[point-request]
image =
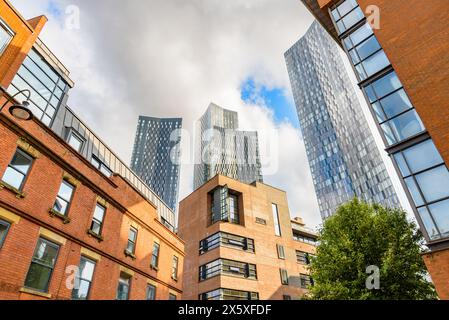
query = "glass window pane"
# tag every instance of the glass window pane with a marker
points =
(96, 227)
(402, 164)
(21, 162)
(434, 183)
(151, 292)
(65, 191)
(75, 142)
(132, 235)
(87, 268)
(440, 213)
(406, 125)
(352, 18)
(360, 34)
(411, 185)
(45, 253)
(396, 103)
(378, 112)
(428, 223)
(375, 63)
(4, 227)
(13, 178)
(386, 84)
(99, 212)
(422, 156)
(5, 37)
(346, 6)
(388, 134)
(370, 93)
(81, 291)
(38, 277)
(368, 47)
(61, 206)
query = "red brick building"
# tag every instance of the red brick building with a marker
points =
(241, 243)
(398, 49)
(67, 203)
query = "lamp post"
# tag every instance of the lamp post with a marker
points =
(20, 111)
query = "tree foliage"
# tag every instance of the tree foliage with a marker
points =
(359, 235)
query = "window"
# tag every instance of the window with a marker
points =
(284, 276)
(226, 239)
(101, 166)
(18, 169)
(123, 287)
(305, 281)
(225, 206)
(261, 221)
(427, 179)
(4, 228)
(174, 273)
(97, 220)
(229, 294)
(42, 265)
(172, 296)
(303, 238)
(286, 297)
(227, 267)
(346, 15)
(75, 141)
(277, 226)
(302, 257)
(155, 256)
(83, 279)
(151, 292)
(46, 86)
(64, 198)
(132, 238)
(6, 35)
(280, 250)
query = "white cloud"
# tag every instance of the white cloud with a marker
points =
(171, 58)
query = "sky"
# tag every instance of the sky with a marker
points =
(171, 58)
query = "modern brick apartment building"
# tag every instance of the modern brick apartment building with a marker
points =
(242, 244)
(66, 201)
(401, 61)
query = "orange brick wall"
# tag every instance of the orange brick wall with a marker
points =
(194, 215)
(438, 264)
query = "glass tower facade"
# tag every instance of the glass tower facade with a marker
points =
(155, 156)
(222, 149)
(425, 175)
(343, 156)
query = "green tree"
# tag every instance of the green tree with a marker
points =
(361, 235)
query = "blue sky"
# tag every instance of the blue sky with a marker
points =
(275, 99)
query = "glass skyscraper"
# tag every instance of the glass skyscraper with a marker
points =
(343, 157)
(223, 149)
(155, 157)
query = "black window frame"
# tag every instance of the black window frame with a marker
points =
(224, 239)
(133, 242)
(95, 220)
(69, 202)
(154, 263)
(305, 281)
(52, 268)
(227, 267)
(154, 288)
(229, 294)
(284, 276)
(85, 280)
(101, 166)
(25, 175)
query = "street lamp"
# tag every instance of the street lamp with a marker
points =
(20, 111)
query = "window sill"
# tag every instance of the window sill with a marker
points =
(175, 279)
(54, 213)
(130, 254)
(154, 268)
(35, 292)
(19, 194)
(96, 236)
